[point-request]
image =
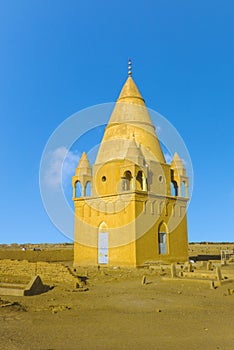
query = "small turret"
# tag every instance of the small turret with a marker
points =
(178, 165)
(83, 175)
(178, 176)
(83, 167)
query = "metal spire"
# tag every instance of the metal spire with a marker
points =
(129, 67)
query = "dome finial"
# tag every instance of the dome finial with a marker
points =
(129, 67)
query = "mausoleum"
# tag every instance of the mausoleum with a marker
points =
(135, 209)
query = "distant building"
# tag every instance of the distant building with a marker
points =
(132, 208)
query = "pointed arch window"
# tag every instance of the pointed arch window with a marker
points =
(162, 239)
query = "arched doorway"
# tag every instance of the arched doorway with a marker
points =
(103, 244)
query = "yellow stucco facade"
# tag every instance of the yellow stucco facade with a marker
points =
(132, 209)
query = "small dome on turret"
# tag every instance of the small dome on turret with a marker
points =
(178, 165)
(83, 167)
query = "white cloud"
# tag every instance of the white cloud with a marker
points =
(61, 166)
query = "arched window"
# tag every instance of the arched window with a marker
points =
(88, 189)
(139, 181)
(162, 238)
(126, 181)
(77, 189)
(174, 188)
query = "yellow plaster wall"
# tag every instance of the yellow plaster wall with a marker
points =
(131, 223)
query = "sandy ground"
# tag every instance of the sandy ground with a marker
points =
(117, 312)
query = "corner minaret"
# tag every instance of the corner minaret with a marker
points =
(136, 211)
(179, 176)
(83, 176)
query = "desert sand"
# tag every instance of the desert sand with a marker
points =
(112, 309)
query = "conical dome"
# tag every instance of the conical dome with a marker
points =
(130, 108)
(130, 93)
(130, 116)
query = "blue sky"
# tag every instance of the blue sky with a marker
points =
(57, 58)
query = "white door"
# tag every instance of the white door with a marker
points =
(162, 243)
(103, 248)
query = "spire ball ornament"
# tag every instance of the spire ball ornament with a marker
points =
(129, 67)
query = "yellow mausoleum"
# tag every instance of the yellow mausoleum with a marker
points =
(135, 211)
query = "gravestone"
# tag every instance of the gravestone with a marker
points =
(173, 270)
